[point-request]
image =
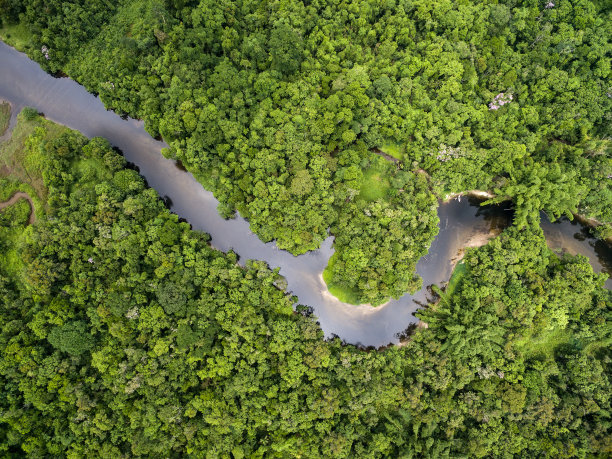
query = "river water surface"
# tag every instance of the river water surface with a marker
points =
(24, 83)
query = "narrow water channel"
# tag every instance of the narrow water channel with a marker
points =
(24, 83)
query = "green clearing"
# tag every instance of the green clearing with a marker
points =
(17, 36)
(5, 116)
(22, 163)
(162, 346)
(383, 190)
(344, 294)
(13, 220)
(543, 344)
(375, 184)
(455, 280)
(393, 149)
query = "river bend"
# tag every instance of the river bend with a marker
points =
(24, 83)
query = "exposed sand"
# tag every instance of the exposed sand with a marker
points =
(476, 240)
(364, 308)
(475, 193)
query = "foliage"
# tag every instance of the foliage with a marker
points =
(21, 161)
(515, 294)
(456, 277)
(378, 242)
(72, 337)
(16, 215)
(342, 291)
(123, 333)
(29, 113)
(5, 116)
(16, 35)
(275, 107)
(9, 10)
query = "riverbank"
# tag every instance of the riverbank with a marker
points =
(22, 164)
(5, 117)
(477, 240)
(593, 223)
(480, 194)
(16, 35)
(66, 102)
(328, 292)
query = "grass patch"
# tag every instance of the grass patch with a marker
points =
(456, 277)
(17, 36)
(346, 295)
(9, 186)
(23, 164)
(374, 186)
(23, 159)
(393, 149)
(375, 183)
(545, 343)
(5, 116)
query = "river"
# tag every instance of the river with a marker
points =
(24, 83)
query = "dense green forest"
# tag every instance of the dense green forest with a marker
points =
(277, 106)
(123, 333)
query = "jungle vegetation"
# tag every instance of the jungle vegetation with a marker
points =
(122, 333)
(277, 106)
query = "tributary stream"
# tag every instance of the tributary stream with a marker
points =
(462, 221)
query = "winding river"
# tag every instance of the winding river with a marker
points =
(462, 221)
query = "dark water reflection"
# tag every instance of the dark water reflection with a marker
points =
(23, 83)
(575, 238)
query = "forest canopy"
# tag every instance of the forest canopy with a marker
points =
(122, 333)
(278, 106)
